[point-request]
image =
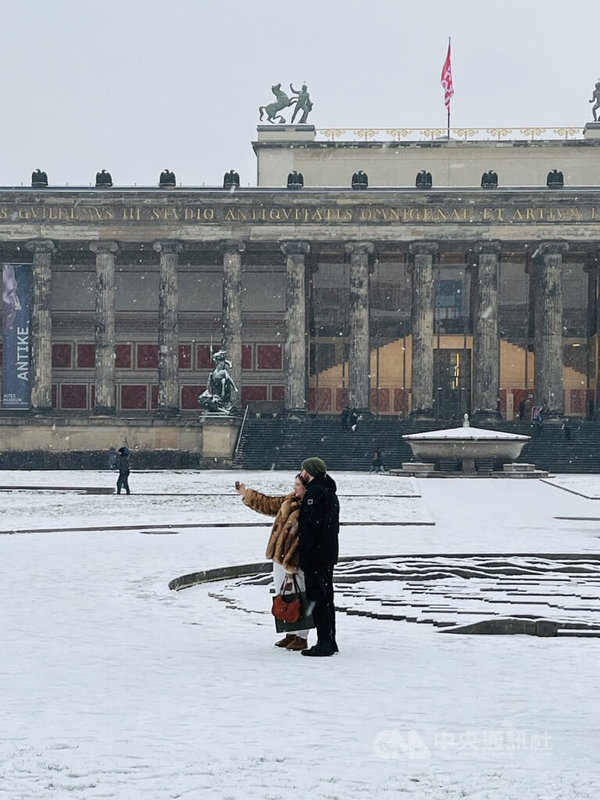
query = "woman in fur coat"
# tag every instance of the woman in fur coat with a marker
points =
(282, 547)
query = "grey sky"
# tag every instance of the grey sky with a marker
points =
(135, 86)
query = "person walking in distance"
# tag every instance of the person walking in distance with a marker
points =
(318, 528)
(377, 461)
(124, 465)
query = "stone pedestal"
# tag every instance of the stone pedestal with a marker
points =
(41, 326)
(591, 130)
(360, 352)
(105, 326)
(422, 255)
(168, 336)
(295, 323)
(286, 133)
(219, 436)
(422, 468)
(516, 468)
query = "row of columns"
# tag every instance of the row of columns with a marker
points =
(545, 270)
(104, 385)
(545, 273)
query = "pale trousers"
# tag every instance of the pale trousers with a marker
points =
(278, 576)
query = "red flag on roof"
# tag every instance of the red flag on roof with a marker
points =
(446, 79)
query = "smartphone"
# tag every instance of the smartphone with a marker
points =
(237, 484)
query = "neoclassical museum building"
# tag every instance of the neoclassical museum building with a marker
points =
(398, 272)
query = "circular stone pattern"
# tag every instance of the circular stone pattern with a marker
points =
(445, 591)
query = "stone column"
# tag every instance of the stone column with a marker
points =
(422, 255)
(591, 267)
(232, 309)
(105, 326)
(548, 315)
(486, 341)
(168, 334)
(295, 325)
(41, 326)
(360, 350)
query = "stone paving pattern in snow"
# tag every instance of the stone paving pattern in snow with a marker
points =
(445, 591)
(115, 687)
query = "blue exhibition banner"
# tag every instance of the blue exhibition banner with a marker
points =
(16, 327)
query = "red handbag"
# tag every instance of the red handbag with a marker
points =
(287, 607)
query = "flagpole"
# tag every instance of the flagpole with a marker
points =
(450, 101)
(447, 85)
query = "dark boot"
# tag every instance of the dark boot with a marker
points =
(320, 649)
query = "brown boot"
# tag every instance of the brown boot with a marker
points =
(297, 644)
(286, 640)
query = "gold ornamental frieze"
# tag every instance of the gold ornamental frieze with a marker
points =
(213, 213)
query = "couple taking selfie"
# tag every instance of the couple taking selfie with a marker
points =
(303, 545)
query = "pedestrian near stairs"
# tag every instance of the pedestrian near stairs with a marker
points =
(377, 461)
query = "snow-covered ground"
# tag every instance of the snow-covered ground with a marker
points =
(115, 687)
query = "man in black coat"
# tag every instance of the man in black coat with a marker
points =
(124, 465)
(318, 528)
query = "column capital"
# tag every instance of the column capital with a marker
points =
(365, 248)
(41, 246)
(295, 247)
(493, 248)
(423, 248)
(231, 246)
(104, 246)
(167, 246)
(549, 249)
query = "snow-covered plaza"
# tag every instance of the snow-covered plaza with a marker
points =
(116, 687)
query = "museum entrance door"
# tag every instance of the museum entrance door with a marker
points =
(452, 383)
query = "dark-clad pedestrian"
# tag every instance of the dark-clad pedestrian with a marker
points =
(377, 461)
(318, 528)
(345, 417)
(124, 465)
(112, 458)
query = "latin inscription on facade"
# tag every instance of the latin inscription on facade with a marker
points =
(201, 214)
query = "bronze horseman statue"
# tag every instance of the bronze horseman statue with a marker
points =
(300, 100)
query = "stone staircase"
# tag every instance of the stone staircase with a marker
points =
(283, 443)
(548, 449)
